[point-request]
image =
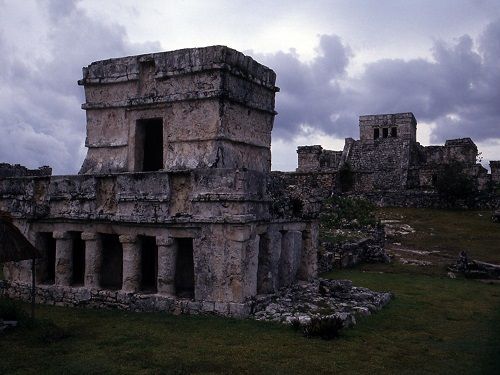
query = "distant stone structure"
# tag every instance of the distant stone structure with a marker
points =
(171, 209)
(16, 170)
(387, 158)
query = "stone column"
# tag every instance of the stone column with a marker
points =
(131, 264)
(290, 257)
(93, 259)
(167, 258)
(64, 258)
(308, 268)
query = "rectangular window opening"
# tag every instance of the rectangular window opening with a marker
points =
(376, 133)
(149, 263)
(394, 132)
(78, 258)
(149, 145)
(184, 268)
(112, 262)
(385, 132)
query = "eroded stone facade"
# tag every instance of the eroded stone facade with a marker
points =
(171, 209)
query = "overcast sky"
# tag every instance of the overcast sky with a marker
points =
(335, 60)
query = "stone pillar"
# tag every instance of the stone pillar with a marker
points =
(308, 267)
(290, 257)
(131, 264)
(167, 258)
(64, 258)
(93, 259)
(275, 247)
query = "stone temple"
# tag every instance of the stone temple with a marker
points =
(171, 209)
(388, 162)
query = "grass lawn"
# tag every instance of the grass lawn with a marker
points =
(449, 231)
(435, 325)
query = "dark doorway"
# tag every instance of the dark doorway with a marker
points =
(376, 133)
(184, 268)
(149, 263)
(149, 145)
(112, 262)
(78, 258)
(47, 269)
(385, 132)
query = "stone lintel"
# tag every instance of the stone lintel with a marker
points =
(89, 236)
(164, 241)
(126, 238)
(59, 235)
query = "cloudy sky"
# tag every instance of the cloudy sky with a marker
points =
(335, 60)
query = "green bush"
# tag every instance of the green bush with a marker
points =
(346, 212)
(454, 185)
(326, 328)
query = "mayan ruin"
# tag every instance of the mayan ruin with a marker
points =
(249, 188)
(170, 210)
(175, 207)
(390, 166)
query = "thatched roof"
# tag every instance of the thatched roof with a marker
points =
(13, 245)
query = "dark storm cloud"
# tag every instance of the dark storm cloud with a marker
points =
(459, 89)
(310, 92)
(40, 117)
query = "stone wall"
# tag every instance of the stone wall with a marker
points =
(316, 159)
(461, 150)
(108, 299)
(16, 170)
(369, 249)
(299, 195)
(495, 171)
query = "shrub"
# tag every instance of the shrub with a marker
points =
(345, 212)
(453, 184)
(326, 328)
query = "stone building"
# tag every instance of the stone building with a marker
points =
(171, 209)
(387, 157)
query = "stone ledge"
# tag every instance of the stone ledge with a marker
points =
(198, 95)
(112, 299)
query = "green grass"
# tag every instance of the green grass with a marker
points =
(435, 325)
(450, 231)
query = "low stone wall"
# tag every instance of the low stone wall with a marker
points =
(422, 199)
(369, 249)
(109, 299)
